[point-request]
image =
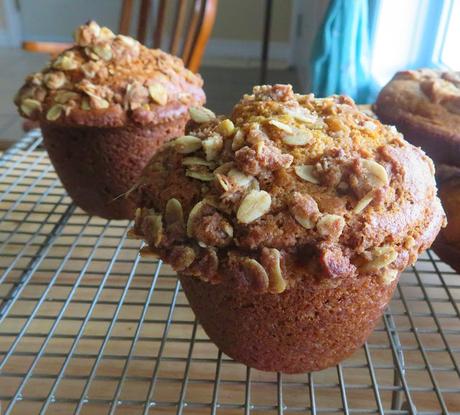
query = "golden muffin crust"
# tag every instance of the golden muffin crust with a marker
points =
(424, 104)
(108, 80)
(289, 187)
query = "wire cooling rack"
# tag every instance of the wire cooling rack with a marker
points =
(89, 327)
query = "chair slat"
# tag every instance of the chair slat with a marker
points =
(191, 32)
(178, 26)
(144, 16)
(159, 24)
(125, 17)
(202, 36)
(52, 48)
(191, 28)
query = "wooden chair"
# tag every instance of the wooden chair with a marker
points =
(193, 21)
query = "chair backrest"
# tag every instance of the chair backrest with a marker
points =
(192, 23)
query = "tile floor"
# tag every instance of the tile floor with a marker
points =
(223, 85)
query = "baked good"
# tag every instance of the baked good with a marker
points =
(447, 244)
(288, 223)
(105, 106)
(425, 105)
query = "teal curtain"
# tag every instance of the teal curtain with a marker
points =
(341, 58)
(341, 53)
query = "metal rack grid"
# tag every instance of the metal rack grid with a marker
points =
(87, 326)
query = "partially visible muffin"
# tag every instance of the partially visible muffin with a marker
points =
(288, 223)
(424, 105)
(105, 106)
(447, 244)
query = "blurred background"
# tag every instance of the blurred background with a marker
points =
(323, 46)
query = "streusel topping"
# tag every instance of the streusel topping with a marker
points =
(107, 80)
(287, 181)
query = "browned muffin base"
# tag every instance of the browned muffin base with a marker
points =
(97, 165)
(306, 328)
(447, 244)
(449, 253)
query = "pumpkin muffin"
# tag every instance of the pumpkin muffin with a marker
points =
(105, 106)
(447, 244)
(425, 105)
(289, 223)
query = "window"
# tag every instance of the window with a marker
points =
(396, 37)
(413, 34)
(447, 48)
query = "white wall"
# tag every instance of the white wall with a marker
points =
(9, 24)
(3, 27)
(56, 19)
(239, 29)
(310, 14)
(2, 16)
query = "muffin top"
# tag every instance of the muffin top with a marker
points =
(425, 105)
(290, 188)
(109, 81)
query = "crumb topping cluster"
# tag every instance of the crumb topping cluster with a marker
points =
(109, 74)
(288, 182)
